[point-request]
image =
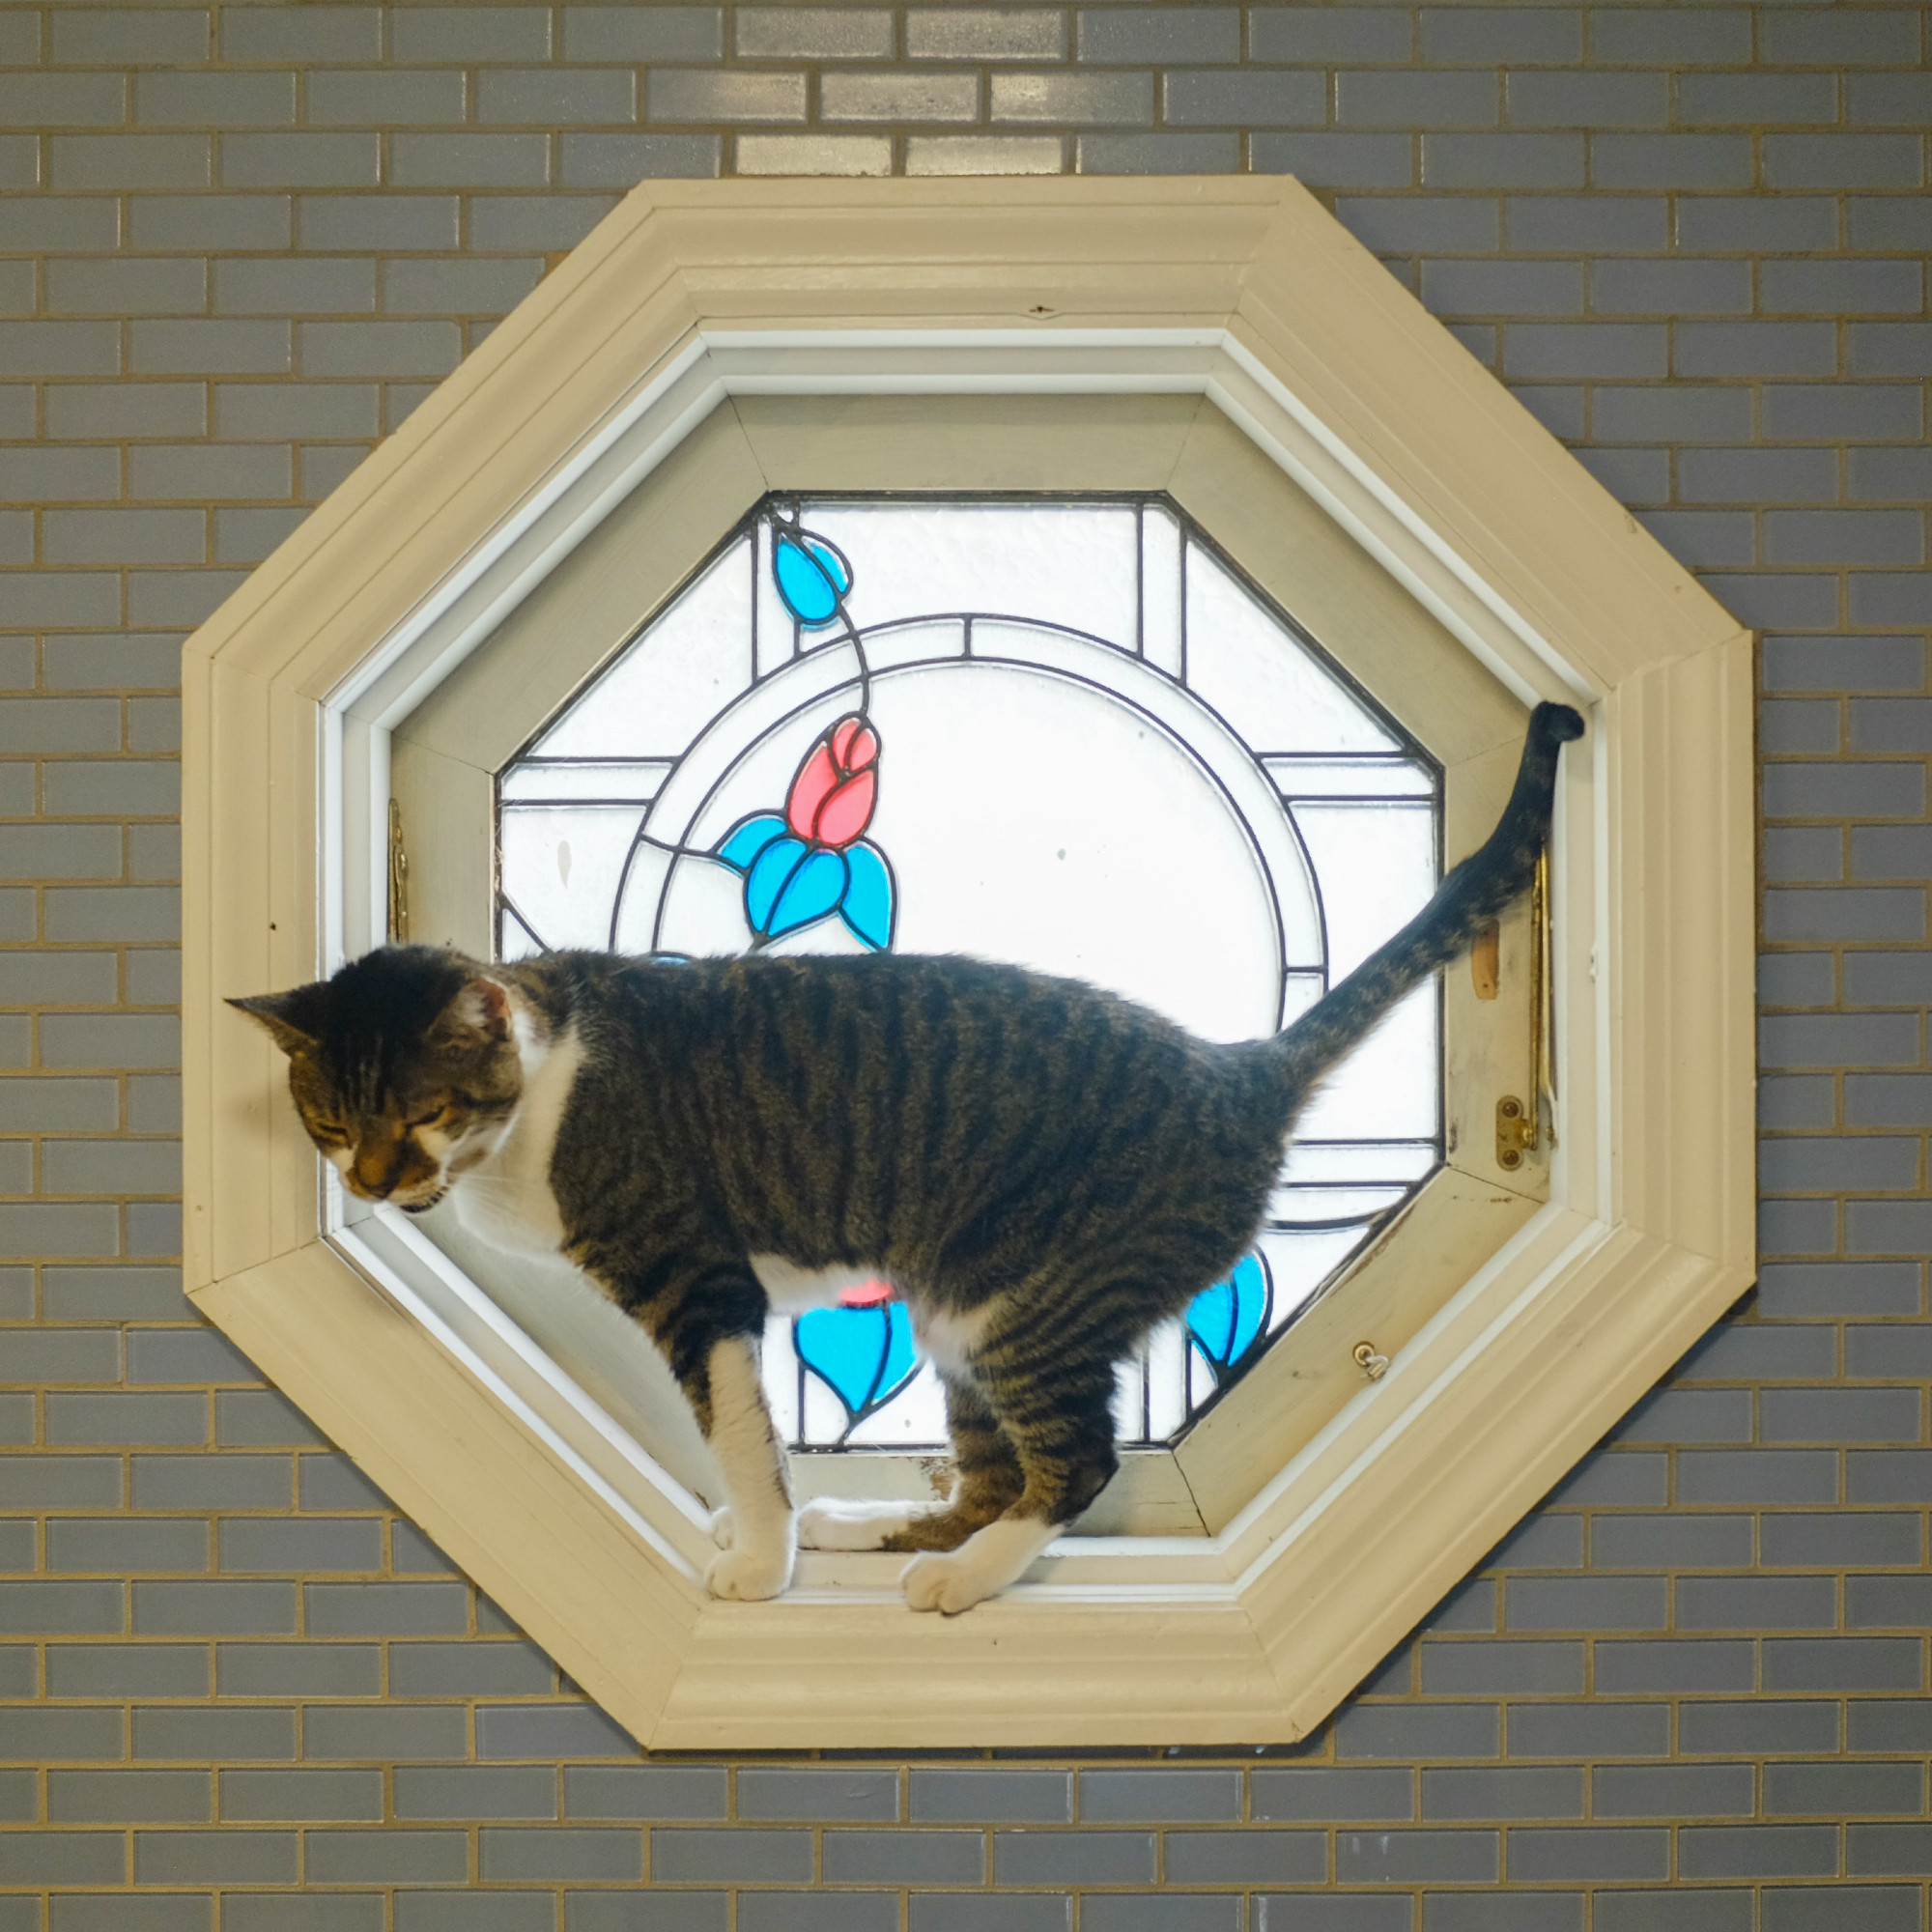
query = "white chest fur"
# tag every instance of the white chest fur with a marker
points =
(506, 1199)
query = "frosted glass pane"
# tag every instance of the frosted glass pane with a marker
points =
(1273, 690)
(549, 783)
(518, 940)
(1301, 1263)
(914, 1419)
(1331, 1162)
(561, 867)
(1350, 778)
(669, 684)
(778, 632)
(1161, 633)
(1304, 1205)
(1389, 1088)
(1376, 865)
(1052, 563)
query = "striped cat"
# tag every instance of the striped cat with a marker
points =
(1043, 1171)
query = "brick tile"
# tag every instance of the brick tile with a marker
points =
(1250, 99)
(1169, 1912)
(1156, 153)
(1321, 37)
(1757, 1851)
(439, 35)
(474, 1791)
(1755, 1603)
(231, 1736)
(1588, 99)
(1503, 1911)
(385, 1857)
(1590, 1852)
(1336, 160)
(905, 1857)
(985, 33)
(1674, 1664)
(1588, 1730)
(1670, 160)
(214, 1857)
(1153, 1797)
(995, 1796)
(1073, 1858)
(1157, 36)
(1564, 223)
(1485, 1792)
(302, 1796)
(1672, 1791)
(817, 1911)
(1417, 1857)
(298, 1669)
(1488, 35)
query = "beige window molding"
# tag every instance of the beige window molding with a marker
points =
(1222, 340)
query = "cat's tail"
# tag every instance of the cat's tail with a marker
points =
(1472, 894)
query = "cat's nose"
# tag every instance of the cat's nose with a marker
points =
(377, 1167)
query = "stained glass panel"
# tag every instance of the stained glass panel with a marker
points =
(1064, 733)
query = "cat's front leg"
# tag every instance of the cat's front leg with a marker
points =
(706, 1312)
(757, 1519)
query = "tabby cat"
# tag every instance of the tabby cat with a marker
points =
(1042, 1170)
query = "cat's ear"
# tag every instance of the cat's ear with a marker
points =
(479, 1012)
(293, 1018)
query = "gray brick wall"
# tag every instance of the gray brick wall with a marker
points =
(238, 244)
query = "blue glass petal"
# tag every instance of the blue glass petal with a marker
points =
(867, 906)
(749, 838)
(810, 574)
(864, 1355)
(844, 1346)
(811, 892)
(766, 879)
(1224, 1320)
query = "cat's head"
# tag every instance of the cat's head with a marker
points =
(403, 1067)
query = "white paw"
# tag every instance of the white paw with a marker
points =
(949, 1584)
(837, 1525)
(987, 1562)
(724, 1529)
(746, 1576)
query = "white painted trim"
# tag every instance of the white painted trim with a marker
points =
(1240, 290)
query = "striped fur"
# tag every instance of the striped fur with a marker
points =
(1032, 1161)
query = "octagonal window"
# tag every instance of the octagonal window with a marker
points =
(1061, 731)
(720, 341)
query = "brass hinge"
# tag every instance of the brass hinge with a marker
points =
(399, 878)
(1515, 1132)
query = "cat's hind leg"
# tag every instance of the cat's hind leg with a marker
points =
(987, 1479)
(1062, 1426)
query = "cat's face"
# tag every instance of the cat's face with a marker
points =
(404, 1068)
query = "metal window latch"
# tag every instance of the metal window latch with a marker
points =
(1374, 1365)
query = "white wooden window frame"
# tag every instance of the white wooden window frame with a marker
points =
(1244, 293)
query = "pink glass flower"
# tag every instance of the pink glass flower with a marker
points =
(832, 798)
